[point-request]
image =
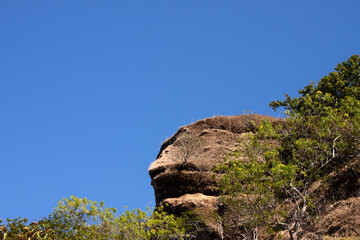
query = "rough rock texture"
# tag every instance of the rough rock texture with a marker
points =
(338, 203)
(206, 207)
(342, 219)
(182, 177)
(183, 180)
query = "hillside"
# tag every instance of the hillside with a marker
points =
(191, 185)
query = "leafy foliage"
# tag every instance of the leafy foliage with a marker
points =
(321, 134)
(17, 229)
(80, 218)
(340, 89)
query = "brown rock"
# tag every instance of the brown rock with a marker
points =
(183, 181)
(206, 207)
(173, 176)
(182, 174)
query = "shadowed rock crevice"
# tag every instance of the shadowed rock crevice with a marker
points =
(183, 182)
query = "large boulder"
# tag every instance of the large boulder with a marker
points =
(182, 174)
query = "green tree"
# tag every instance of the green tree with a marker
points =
(77, 218)
(256, 182)
(320, 134)
(80, 218)
(339, 88)
(18, 229)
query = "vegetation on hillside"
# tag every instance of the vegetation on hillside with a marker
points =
(321, 134)
(266, 183)
(80, 218)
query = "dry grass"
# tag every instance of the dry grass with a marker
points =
(341, 238)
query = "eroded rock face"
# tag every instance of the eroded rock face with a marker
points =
(182, 174)
(183, 180)
(174, 176)
(206, 207)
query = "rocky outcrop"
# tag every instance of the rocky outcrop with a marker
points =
(183, 180)
(205, 207)
(182, 174)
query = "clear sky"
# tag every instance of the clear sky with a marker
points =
(90, 89)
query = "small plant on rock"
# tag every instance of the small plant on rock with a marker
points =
(187, 145)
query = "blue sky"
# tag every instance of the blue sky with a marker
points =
(90, 89)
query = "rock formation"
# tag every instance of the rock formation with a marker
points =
(183, 180)
(182, 175)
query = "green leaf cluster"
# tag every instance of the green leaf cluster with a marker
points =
(80, 218)
(339, 89)
(269, 182)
